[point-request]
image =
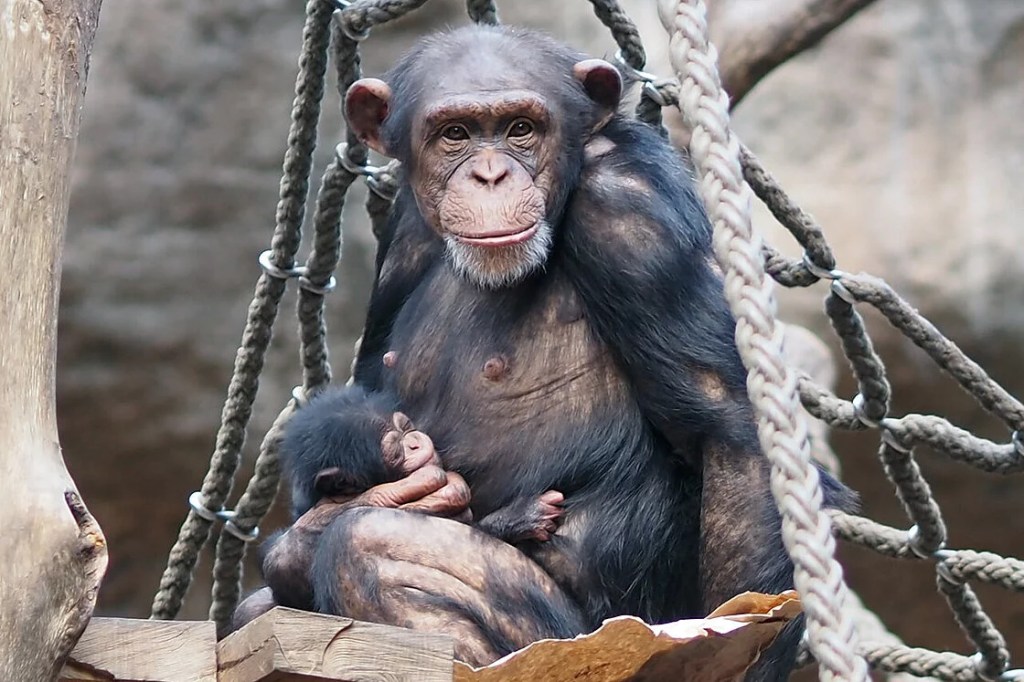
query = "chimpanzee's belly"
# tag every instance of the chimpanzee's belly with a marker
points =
(516, 391)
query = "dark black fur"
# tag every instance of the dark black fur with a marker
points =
(629, 461)
(340, 428)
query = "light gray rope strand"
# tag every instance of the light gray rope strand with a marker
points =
(916, 496)
(974, 380)
(800, 224)
(772, 387)
(262, 312)
(993, 657)
(360, 17)
(864, 361)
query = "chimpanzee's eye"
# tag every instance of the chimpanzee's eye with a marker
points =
(520, 128)
(455, 132)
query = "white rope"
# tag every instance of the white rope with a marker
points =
(806, 530)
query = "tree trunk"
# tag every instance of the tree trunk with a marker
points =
(755, 36)
(54, 553)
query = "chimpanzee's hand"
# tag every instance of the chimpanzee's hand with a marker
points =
(427, 490)
(405, 449)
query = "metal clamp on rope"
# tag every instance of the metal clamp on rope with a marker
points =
(835, 275)
(889, 427)
(645, 77)
(198, 505)
(914, 543)
(373, 174)
(299, 272)
(858, 412)
(979, 667)
(346, 25)
(1018, 442)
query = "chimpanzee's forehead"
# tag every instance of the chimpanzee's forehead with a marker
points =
(490, 59)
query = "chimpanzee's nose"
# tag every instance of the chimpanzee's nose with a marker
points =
(490, 168)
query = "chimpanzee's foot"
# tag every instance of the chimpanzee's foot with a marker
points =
(531, 518)
(405, 449)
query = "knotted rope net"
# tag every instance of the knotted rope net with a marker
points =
(728, 175)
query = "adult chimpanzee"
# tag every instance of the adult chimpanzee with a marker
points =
(546, 310)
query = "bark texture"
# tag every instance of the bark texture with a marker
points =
(55, 552)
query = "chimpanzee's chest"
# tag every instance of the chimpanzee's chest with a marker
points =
(502, 376)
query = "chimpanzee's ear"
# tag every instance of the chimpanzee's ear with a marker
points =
(327, 481)
(366, 107)
(603, 83)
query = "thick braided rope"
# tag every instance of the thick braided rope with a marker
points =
(928, 536)
(772, 387)
(254, 503)
(262, 312)
(319, 269)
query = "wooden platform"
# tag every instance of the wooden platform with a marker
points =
(282, 645)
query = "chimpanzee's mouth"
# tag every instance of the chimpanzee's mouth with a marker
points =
(505, 239)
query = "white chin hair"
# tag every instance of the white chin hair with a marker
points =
(497, 267)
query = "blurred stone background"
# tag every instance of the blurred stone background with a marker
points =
(902, 133)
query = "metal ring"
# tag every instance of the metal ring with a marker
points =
(818, 271)
(346, 27)
(377, 186)
(943, 570)
(266, 261)
(979, 663)
(842, 292)
(198, 504)
(914, 542)
(340, 4)
(1018, 444)
(341, 153)
(635, 74)
(652, 92)
(306, 284)
(858, 411)
(230, 527)
(888, 426)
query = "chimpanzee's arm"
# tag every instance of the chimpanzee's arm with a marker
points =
(638, 250)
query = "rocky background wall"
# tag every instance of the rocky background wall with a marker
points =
(902, 133)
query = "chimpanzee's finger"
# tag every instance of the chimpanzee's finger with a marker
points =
(419, 484)
(418, 451)
(451, 500)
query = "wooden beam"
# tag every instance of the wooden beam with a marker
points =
(57, 554)
(285, 645)
(144, 651)
(753, 37)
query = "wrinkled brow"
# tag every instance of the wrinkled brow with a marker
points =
(487, 106)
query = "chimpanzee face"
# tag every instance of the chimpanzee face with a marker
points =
(484, 166)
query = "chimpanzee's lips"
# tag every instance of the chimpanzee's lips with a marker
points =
(505, 239)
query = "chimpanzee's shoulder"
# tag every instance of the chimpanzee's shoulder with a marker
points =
(636, 189)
